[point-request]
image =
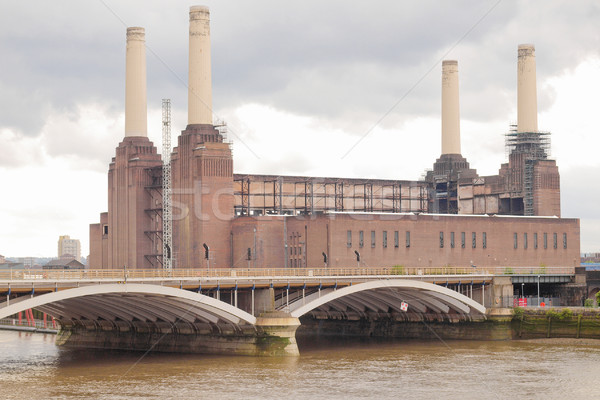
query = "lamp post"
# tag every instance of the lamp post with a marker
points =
(538, 290)
(207, 256)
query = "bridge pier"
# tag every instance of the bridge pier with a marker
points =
(279, 334)
(274, 334)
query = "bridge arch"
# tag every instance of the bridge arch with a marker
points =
(127, 303)
(384, 295)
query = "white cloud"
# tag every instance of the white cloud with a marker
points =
(277, 142)
(18, 150)
(46, 200)
(573, 118)
(85, 135)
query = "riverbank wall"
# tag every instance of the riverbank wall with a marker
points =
(499, 324)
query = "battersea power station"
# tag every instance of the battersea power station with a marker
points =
(221, 219)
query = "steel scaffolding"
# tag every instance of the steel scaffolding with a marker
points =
(534, 146)
(167, 220)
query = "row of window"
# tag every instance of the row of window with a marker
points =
(361, 239)
(535, 240)
(463, 239)
(384, 239)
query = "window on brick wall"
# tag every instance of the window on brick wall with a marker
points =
(515, 240)
(349, 239)
(441, 240)
(361, 238)
(407, 238)
(452, 239)
(535, 246)
(555, 240)
(384, 239)
(564, 240)
(484, 240)
(545, 240)
(525, 240)
(372, 238)
(473, 239)
(462, 240)
(396, 239)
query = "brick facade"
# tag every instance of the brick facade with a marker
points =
(410, 240)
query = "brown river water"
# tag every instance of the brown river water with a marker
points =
(32, 367)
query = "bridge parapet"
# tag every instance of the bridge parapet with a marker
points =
(180, 273)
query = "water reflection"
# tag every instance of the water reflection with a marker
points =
(31, 366)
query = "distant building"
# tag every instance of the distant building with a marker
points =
(66, 262)
(2, 259)
(590, 257)
(68, 246)
(28, 262)
(9, 265)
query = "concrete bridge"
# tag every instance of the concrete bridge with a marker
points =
(234, 311)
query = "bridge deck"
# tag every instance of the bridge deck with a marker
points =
(23, 281)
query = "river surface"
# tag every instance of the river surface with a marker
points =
(32, 367)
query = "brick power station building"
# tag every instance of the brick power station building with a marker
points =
(452, 217)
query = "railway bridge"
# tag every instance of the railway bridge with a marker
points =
(238, 311)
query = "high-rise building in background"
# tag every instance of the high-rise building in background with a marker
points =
(68, 246)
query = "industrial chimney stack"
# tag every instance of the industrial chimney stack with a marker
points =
(526, 90)
(199, 80)
(450, 108)
(136, 123)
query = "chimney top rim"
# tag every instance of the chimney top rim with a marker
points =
(194, 9)
(527, 46)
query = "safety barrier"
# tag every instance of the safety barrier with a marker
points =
(124, 274)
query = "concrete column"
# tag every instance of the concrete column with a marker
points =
(526, 90)
(277, 334)
(501, 292)
(264, 300)
(450, 108)
(136, 123)
(199, 80)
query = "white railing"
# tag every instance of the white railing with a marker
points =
(122, 275)
(37, 324)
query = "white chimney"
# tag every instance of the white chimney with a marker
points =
(450, 108)
(526, 90)
(136, 123)
(199, 81)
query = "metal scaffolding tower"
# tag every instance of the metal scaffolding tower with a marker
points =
(166, 186)
(534, 146)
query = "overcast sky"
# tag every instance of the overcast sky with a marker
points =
(314, 88)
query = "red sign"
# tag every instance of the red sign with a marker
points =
(522, 302)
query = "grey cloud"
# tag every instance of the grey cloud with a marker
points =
(331, 59)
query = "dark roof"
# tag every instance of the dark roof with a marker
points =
(63, 263)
